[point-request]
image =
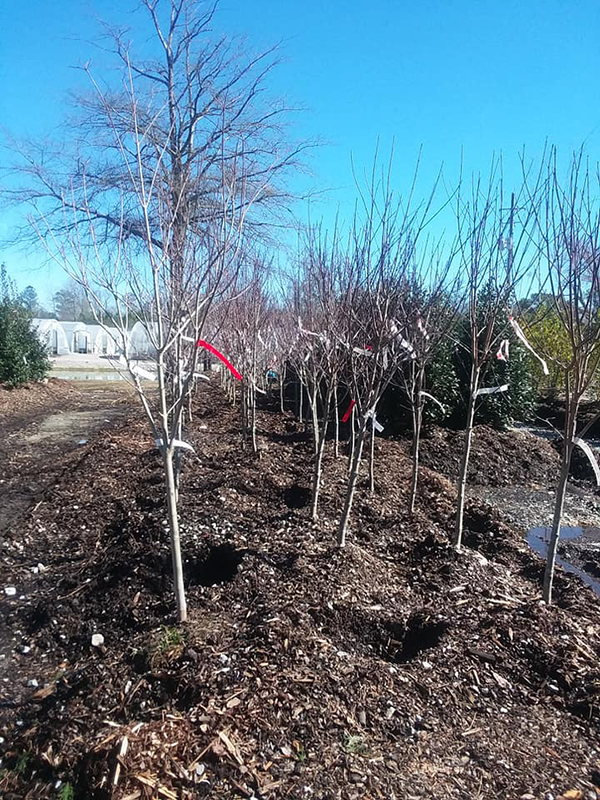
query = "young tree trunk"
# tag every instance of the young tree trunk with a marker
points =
(174, 535)
(416, 442)
(464, 464)
(313, 399)
(372, 458)
(301, 400)
(352, 480)
(318, 468)
(352, 439)
(244, 407)
(417, 417)
(282, 388)
(252, 391)
(189, 399)
(171, 492)
(561, 490)
(336, 440)
(178, 458)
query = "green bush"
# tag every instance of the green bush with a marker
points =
(447, 379)
(503, 408)
(23, 357)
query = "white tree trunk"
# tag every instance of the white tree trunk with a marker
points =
(336, 441)
(178, 585)
(352, 480)
(416, 444)
(252, 391)
(561, 490)
(352, 439)
(282, 388)
(314, 409)
(318, 468)
(464, 468)
(372, 458)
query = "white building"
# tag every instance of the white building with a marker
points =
(65, 337)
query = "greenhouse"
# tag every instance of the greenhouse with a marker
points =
(66, 337)
(105, 340)
(53, 336)
(141, 343)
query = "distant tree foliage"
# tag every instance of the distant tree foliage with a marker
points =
(23, 357)
(71, 303)
(29, 300)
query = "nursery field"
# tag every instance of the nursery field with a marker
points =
(395, 668)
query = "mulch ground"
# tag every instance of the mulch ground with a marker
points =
(395, 668)
(499, 458)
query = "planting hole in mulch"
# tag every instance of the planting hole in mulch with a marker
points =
(218, 566)
(419, 634)
(296, 496)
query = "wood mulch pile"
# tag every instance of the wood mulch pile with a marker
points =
(500, 458)
(394, 669)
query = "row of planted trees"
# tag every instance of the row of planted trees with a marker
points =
(378, 307)
(166, 205)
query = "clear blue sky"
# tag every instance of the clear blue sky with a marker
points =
(443, 74)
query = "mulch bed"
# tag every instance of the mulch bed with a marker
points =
(499, 458)
(393, 669)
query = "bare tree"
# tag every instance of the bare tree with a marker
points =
(381, 252)
(568, 225)
(430, 300)
(493, 260)
(153, 207)
(319, 327)
(199, 102)
(243, 330)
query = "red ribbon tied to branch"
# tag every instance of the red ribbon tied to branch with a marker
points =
(346, 416)
(220, 356)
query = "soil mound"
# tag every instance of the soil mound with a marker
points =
(499, 458)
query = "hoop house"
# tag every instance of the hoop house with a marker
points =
(78, 337)
(53, 336)
(104, 341)
(140, 342)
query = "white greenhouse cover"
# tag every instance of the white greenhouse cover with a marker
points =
(140, 343)
(53, 336)
(104, 340)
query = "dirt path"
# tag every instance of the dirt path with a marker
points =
(41, 425)
(44, 429)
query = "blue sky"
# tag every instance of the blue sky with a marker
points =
(449, 76)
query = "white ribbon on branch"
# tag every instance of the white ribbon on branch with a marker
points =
(421, 328)
(502, 354)
(320, 336)
(176, 443)
(395, 331)
(139, 371)
(377, 425)
(492, 390)
(520, 335)
(591, 457)
(435, 400)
